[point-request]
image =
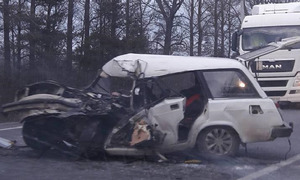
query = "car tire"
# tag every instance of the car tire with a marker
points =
(32, 137)
(218, 141)
(45, 133)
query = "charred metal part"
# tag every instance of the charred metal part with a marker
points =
(121, 133)
(120, 136)
(50, 97)
(71, 133)
(91, 140)
(32, 136)
(44, 132)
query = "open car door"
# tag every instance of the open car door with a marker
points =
(166, 116)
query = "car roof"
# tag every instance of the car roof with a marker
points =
(151, 65)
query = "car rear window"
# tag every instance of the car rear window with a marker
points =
(229, 84)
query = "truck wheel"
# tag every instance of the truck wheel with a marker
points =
(218, 141)
(32, 137)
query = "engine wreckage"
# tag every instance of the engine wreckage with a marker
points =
(149, 104)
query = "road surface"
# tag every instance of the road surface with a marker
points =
(268, 160)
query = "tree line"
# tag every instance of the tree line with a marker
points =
(69, 40)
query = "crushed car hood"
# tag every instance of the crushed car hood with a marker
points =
(50, 97)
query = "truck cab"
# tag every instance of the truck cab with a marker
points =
(277, 72)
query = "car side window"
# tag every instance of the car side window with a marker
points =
(176, 83)
(229, 84)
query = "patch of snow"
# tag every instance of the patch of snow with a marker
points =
(195, 166)
(245, 167)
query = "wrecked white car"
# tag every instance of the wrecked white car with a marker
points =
(152, 104)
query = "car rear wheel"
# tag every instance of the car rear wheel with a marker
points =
(218, 141)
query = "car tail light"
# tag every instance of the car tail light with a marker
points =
(277, 104)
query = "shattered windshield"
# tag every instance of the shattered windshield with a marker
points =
(105, 84)
(121, 85)
(101, 85)
(255, 38)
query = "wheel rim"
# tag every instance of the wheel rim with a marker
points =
(218, 141)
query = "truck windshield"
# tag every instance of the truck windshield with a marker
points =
(255, 38)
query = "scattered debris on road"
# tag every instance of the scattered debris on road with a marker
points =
(7, 144)
(193, 161)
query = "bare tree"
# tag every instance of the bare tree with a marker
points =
(86, 27)
(216, 28)
(70, 36)
(199, 26)
(168, 10)
(137, 20)
(230, 24)
(127, 18)
(145, 17)
(32, 41)
(192, 29)
(19, 29)
(114, 18)
(190, 7)
(222, 26)
(6, 29)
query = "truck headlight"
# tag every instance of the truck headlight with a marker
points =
(297, 80)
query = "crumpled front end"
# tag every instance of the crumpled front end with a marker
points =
(51, 98)
(39, 104)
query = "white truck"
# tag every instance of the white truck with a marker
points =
(278, 73)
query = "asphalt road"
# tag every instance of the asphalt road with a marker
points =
(268, 160)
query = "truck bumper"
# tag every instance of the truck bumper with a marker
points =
(284, 130)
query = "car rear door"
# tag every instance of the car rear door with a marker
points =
(235, 101)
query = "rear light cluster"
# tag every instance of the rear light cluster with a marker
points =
(277, 104)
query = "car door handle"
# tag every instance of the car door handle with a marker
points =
(255, 109)
(174, 106)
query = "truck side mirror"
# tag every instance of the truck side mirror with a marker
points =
(234, 42)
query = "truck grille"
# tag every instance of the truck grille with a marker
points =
(281, 83)
(275, 93)
(273, 66)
